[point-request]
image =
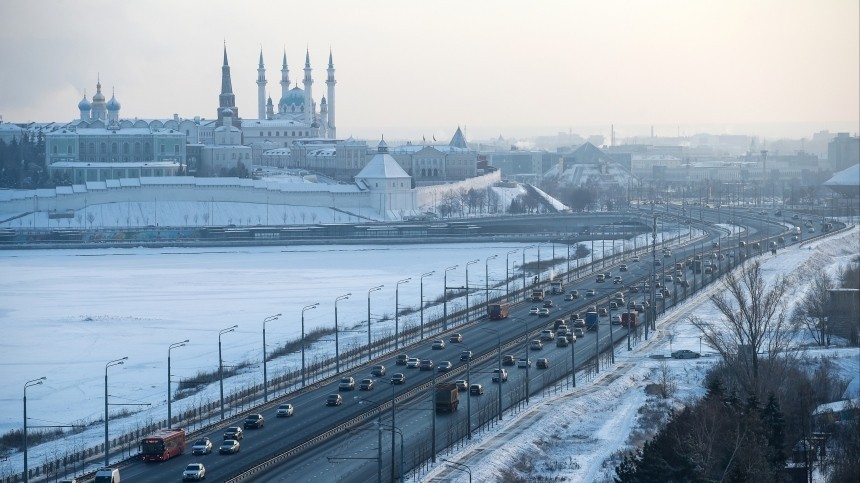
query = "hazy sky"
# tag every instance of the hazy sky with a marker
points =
(407, 69)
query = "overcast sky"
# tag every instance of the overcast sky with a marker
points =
(407, 69)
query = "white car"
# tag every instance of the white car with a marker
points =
(413, 362)
(590, 293)
(202, 446)
(194, 471)
(285, 410)
(523, 363)
(534, 311)
(543, 312)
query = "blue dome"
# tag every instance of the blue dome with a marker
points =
(295, 97)
(113, 104)
(84, 105)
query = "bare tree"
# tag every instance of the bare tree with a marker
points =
(813, 311)
(666, 381)
(753, 335)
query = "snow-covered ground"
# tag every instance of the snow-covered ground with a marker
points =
(573, 435)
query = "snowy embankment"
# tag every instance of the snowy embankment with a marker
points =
(573, 435)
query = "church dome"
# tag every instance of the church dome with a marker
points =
(113, 104)
(99, 97)
(84, 105)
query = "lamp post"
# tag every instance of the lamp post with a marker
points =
(421, 307)
(336, 339)
(457, 467)
(611, 337)
(369, 346)
(467, 285)
(499, 362)
(468, 384)
(525, 294)
(538, 266)
(508, 274)
(172, 346)
(221, 365)
(397, 311)
(379, 438)
(528, 363)
(573, 362)
(305, 309)
(265, 374)
(399, 433)
(34, 382)
(115, 362)
(487, 278)
(445, 297)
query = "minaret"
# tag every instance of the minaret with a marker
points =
(323, 132)
(285, 79)
(309, 99)
(261, 88)
(270, 109)
(330, 82)
(226, 99)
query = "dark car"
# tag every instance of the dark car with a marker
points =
(334, 400)
(476, 389)
(365, 385)
(234, 432)
(401, 359)
(508, 360)
(254, 421)
(426, 365)
(466, 356)
(455, 338)
(445, 366)
(229, 446)
(398, 378)
(685, 354)
(547, 303)
(378, 370)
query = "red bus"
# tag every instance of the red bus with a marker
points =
(163, 444)
(497, 311)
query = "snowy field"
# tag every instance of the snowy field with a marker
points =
(573, 435)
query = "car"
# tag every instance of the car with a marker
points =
(378, 370)
(284, 411)
(544, 312)
(578, 332)
(561, 341)
(534, 311)
(476, 390)
(607, 274)
(546, 334)
(685, 354)
(438, 344)
(709, 270)
(466, 356)
(613, 305)
(202, 446)
(426, 365)
(229, 446)
(666, 293)
(334, 400)
(602, 312)
(617, 280)
(634, 259)
(811, 230)
(634, 289)
(543, 363)
(194, 472)
(600, 278)
(254, 421)
(455, 338)
(579, 322)
(657, 263)
(508, 360)
(401, 359)
(398, 378)
(623, 267)
(445, 366)
(500, 375)
(536, 345)
(685, 283)
(365, 385)
(413, 362)
(667, 278)
(346, 384)
(547, 303)
(462, 384)
(234, 432)
(658, 296)
(590, 293)
(573, 295)
(616, 320)
(523, 362)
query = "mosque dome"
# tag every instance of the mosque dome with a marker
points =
(113, 104)
(294, 97)
(84, 105)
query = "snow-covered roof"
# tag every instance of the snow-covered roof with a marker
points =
(118, 165)
(252, 123)
(846, 177)
(382, 165)
(837, 406)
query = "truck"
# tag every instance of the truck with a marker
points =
(497, 311)
(538, 295)
(628, 319)
(556, 286)
(107, 475)
(447, 397)
(591, 320)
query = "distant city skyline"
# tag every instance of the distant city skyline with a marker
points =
(406, 70)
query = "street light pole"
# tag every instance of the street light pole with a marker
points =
(528, 363)
(115, 362)
(265, 375)
(467, 285)
(467, 469)
(304, 309)
(172, 346)
(336, 340)
(221, 365)
(421, 295)
(445, 297)
(487, 278)
(397, 311)
(508, 274)
(34, 382)
(369, 343)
